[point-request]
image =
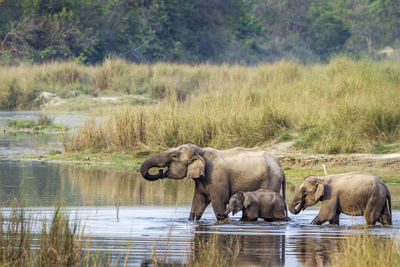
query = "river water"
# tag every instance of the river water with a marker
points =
(125, 215)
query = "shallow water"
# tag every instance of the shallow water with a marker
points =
(123, 213)
(69, 120)
(16, 143)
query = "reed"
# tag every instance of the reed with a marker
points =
(344, 106)
(339, 107)
(58, 244)
(367, 250)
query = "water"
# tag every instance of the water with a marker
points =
(127, 215)
(16, 143)
(69, 120)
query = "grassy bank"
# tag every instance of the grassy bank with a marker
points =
(341, 107)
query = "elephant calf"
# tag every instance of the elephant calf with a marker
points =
(354, 193)
(262, 203)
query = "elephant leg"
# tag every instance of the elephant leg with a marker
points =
(385, 218)
(219, 207)
(371, 218)
(373, 209)
(247, 219)
(335, 221)
(199, 204)
(317, 221)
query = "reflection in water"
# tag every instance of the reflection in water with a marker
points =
(316, 252)
(123, 213)
(39, 183)
(252, 250)
(98, 186)
(19, 143)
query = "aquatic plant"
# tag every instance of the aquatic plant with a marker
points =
(58, 244)
(44, 122)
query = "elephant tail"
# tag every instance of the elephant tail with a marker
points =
(284, 187)
(389, 200)
(287, 215)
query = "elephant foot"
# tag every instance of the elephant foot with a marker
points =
(317, 221)
(221, 217)
(194, 216)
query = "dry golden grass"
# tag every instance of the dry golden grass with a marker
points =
(343, 106)
(367, 250)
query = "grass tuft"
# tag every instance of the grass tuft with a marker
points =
(367, 250)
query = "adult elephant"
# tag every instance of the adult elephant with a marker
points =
(353, 193)
(217, 173)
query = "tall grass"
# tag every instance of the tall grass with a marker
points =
(367, 250)
(58, 244)
(343, 106)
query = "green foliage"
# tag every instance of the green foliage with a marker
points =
(43, 122)
(326, 30)
(90, 31)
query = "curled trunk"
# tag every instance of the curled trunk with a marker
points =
(150, 163)
(296, 206)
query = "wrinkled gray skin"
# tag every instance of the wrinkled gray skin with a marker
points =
(217, 173)
(354, 193)
(263, 203)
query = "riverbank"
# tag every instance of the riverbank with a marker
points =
(344, 106)
(296, 165)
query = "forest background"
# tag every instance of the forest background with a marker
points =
(197, 31)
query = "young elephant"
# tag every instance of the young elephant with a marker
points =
(262, 203)
(354, 193)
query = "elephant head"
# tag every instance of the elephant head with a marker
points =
(309, 193)
(238, 202)
(177, 163)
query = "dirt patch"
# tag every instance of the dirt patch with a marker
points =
(292, 158)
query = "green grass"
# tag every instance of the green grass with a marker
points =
(43, 123)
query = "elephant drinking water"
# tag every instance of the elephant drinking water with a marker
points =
(354, 193)
(217, 173)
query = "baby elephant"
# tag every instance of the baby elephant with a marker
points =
(262, 203)
(354, 193)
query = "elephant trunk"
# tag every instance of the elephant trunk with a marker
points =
(296, 206)
(228, 210)
(156, 161)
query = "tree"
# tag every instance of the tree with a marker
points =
(326, 31)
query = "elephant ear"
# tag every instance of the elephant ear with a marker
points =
(247, 201)
(319, 192)
(196, 167)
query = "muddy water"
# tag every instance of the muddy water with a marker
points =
(126, 215)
